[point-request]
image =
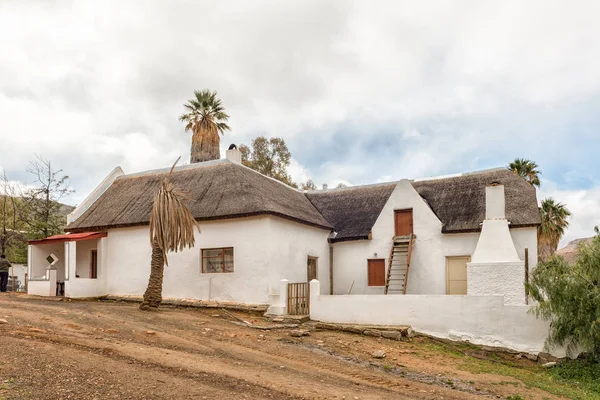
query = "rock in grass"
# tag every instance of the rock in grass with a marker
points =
(549, 364)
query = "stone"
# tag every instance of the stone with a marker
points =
(150, 333)
(531, 357)
(3, 321)
(408, 332)
(372, 332)
(546, 357)
(37, 330)
(549, 364)
(299, 333)
(353, 329)
(391, 335)
(329, 327)
(378, 354)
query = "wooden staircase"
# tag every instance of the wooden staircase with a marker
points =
(399, 263)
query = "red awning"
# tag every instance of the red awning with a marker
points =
(70, 237)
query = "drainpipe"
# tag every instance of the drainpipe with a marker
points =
(330, 269)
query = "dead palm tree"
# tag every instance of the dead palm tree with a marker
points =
(206, 118)
(527, 170)
(554, 223)
(171, 229)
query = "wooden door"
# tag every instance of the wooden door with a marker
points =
(403, 222)
(94, 265)
(456, 275)
(376, 272)
(311, 268)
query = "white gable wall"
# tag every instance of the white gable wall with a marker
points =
(427, 273)
(266, 249)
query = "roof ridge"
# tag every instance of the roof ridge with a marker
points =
(459, 174)
(177, 168)
(369, 185)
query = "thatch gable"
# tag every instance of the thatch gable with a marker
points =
(218, 189)
(459, 202)
(353, 210)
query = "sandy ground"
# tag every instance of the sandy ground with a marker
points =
(103, 350)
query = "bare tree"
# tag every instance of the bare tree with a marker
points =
(10, 217)
(43, 202)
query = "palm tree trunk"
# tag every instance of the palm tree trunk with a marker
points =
(153, 294)
(205, 147)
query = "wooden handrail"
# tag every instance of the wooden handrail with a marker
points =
(410, 244)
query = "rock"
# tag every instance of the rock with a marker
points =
(150, 333)
(3, 321)
(330, 327)
(391, 335)
(378, 354)
(215, 316)
(353, 329)
(372, 332)
(299, 333)
(549, 364)
(531, 357)
(281, 320)
(546, 357)
(37, 330)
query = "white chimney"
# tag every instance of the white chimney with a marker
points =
(495, 243)
(233, 154)
(495, 268)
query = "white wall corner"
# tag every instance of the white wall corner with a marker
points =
(95, 194)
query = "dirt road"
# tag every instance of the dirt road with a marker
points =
(103, 350)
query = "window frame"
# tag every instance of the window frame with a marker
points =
(202, 257)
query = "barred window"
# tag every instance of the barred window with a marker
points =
(217, 260)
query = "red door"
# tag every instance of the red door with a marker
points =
(403, 222)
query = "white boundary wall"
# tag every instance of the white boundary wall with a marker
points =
(483, 320)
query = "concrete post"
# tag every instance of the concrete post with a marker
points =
(315, 294)
(52, 281)
(283, 292)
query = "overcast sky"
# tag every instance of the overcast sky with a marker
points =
(361, 91)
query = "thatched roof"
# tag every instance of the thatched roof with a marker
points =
(218, 189)
(222, 189)
(353, 210)
(459, 202)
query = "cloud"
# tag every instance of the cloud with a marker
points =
(361, 92)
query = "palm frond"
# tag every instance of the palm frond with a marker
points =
(171, 222)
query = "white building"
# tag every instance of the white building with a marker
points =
(255, 231)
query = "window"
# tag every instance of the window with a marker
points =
(376, 272)
(94, 265)
(311, 266)
(456, 275)
(217, 260)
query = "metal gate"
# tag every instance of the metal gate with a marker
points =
(298, 298)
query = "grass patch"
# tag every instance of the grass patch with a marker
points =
(578, 380)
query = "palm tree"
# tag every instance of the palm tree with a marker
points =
(206, 118)
(171, 229)
(554, 223)
(527, 170)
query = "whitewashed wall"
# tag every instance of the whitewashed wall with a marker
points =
(427, 273)
(266, 249)
(37, 260)
(80, 262)
(483, 320)
(84, 257)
